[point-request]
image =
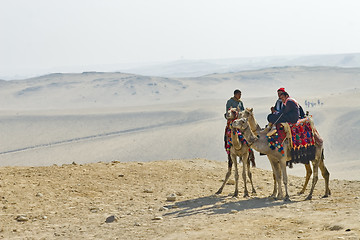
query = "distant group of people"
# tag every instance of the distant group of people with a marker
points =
(286, 108)
(313, 104)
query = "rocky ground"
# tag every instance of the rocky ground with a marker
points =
(166, 200)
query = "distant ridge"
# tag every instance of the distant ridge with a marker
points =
(196, 68)
(201, 67)
(113, 89)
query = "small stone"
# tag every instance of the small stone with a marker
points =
(163, 209)
(111, 219)
(148, 191)
(22, 218)
(335, 228)
(157, 218)
(356, 197)
(171, 197)
(44, 217)
(137, 224)
(39, 195)
(94, 209)
(74, 163)
(234, 211)
(121, 175)
(231, 182)
(301, 231)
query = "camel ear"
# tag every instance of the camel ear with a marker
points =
(250, 109)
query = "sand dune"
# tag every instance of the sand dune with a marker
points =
(61, 118)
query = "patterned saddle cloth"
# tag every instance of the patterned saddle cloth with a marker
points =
(228, 136)
(302, 140)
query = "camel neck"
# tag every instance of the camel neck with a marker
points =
(258, 143)
(255, 128)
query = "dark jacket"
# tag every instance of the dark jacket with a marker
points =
(289, 113)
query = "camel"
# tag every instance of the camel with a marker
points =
(241, 150)
(277, 159)
(255, 128)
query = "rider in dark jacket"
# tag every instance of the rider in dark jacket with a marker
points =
(289, 113)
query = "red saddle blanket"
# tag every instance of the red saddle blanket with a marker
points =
(303, 142)
(301, 133)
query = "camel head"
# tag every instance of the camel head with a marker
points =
(233, 113)
(241, 124)
(248, 112)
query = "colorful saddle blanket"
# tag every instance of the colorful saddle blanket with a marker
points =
(303, 141)
(228, 136)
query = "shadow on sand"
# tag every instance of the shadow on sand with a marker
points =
(221, 205)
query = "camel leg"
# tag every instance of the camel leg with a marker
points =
(326, 175)
(315, 178)
(308, 175)
(228, 174)
(249, 174)
(277, 178)
(236, 193)
(285, 179)
(244, 159)
(275, 187)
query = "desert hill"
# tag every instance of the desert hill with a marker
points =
(93, 116)
(97, 89)
(197, 68)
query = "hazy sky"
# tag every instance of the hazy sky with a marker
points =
(42, 34)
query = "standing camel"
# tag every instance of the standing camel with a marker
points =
(278, 160)
(255, 128)
(237, 149)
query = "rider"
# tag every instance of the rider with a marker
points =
(289, 113)
(235, 102)
(278, 104)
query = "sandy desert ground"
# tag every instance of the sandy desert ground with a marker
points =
(134, 140)
(119, 200)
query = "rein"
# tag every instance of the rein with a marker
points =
(249, 141)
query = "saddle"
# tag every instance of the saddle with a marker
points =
(302, 137)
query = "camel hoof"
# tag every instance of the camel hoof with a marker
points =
(308, 197)
(325, 196)
(253, 191)
(272, 197)
(287, 199)
(219, 192)
(246, 195)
